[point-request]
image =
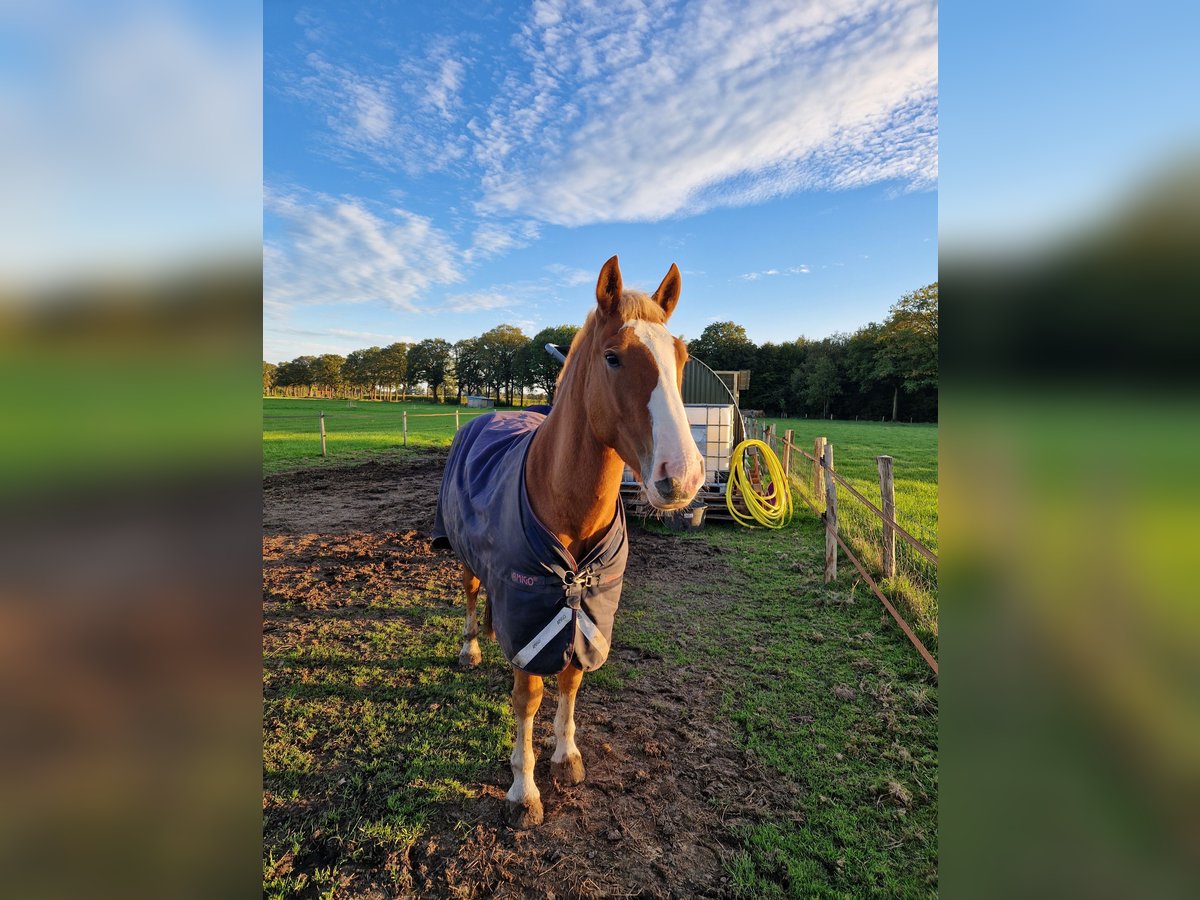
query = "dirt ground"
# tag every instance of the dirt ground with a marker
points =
(665, 781)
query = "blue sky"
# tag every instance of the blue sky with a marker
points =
(432, 170)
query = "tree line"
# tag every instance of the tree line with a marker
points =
(502, 363)
(882, 370)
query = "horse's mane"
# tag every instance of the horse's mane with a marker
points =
(632, 305)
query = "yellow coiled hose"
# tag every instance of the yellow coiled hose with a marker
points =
(774, 509)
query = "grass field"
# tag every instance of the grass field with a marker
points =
(865, 759)
(383, 759)
(914, 449)
(354, 430)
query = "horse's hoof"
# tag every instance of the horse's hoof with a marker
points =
(522, 816)
(470, 657)
(569, 771)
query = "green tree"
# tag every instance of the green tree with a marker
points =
(357, 371)
(269, 370)
(467, 359)
(724, 346)
(296, 374)
(818, 380)
(908, 355)
(543, 369)
(429, 361)
(770, 388)
(870, 396)
(501, 350)
(392, 366)
(327, 372)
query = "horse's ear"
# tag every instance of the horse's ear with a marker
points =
(667, 294)
(608, 287)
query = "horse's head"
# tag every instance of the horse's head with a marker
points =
(633, 369)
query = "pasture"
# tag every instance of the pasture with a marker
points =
(355, 429)
(755, 731)
(914, 447)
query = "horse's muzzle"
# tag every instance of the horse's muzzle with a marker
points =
(673, 493)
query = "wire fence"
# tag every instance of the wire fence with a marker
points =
(889, 547)
(321, 418)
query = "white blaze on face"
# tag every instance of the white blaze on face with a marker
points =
(675, 454)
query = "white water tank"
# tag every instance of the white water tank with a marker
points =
(712, 430)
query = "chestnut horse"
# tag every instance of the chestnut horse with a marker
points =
(618, 404)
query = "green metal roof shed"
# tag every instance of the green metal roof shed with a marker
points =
(702, 385)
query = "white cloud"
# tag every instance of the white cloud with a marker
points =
(495, 238)
(767, 273)
(644, 112)
(343, 250)
(474, 301)
(570, 275)
(403, 116)
(441, 90)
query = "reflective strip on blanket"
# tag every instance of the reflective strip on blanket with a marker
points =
(530, 650)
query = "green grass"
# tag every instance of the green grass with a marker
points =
(864, 769)
(354, 430)
(369, 723)
(913, 449)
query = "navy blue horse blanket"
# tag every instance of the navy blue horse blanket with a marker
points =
(547, 609)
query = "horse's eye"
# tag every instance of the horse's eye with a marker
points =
(614, 361)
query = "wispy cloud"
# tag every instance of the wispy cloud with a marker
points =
(475, 301)
(493, 239)
(658, 112)
(802, 269)
(443, 84)
(345, 250)
(654, 109)
(403, 116)
(571, 276)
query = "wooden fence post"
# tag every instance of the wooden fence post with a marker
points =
(404, 426)
(887, 493)
(818, 478)
(456, 421)
(322, 433)
(831, 522)
(787, 454)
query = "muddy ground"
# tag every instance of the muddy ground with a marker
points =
(665, 781)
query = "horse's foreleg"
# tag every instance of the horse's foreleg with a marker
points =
(566, 764)
(470, 656)
(524, 799)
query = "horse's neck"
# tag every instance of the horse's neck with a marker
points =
(573, 480)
